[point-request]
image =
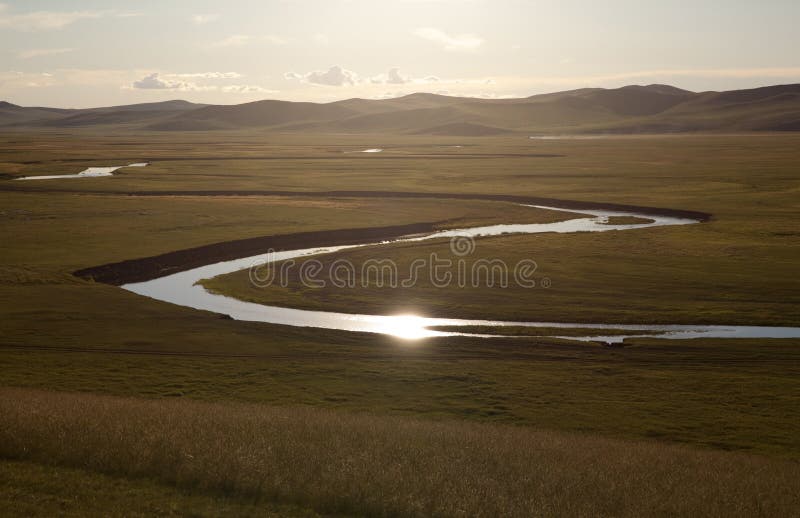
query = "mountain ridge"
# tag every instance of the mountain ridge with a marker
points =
(654, 108)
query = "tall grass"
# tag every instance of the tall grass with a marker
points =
(386, 466)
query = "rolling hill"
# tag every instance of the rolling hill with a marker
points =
(629, 109)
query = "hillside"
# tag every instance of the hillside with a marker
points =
(629, 109)
(12, 115)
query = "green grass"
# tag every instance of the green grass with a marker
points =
(65, 334)
(739, 268)
(738, 395)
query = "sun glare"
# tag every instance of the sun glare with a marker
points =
(408, 327)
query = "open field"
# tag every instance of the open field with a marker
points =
(738, 268)
(733, 396)
(366, 465)
(37, 490)
(62, 333)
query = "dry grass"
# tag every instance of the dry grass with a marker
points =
(386, 466)
(33, 490)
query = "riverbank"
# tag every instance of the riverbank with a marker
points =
(138, 270)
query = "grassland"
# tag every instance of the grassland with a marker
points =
(378, 466)
(66, 334)
(739, 268)
(44, 490)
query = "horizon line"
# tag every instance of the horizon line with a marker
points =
(479, 98)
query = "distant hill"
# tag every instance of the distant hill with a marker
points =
(13, 114)
(630, 109)
(131, 114)
(255, 114)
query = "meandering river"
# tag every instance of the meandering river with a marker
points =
(182, 289)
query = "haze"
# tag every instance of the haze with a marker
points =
(92, 53)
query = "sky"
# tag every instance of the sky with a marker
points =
(99, 53)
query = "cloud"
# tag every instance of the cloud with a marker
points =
(154, 82)
(43, 20)
(461, 42)
(157, 81)
(246, 89)
(392, 77)
(209, 75)
(334, 76)
(35, 53)
(202, 19)
(338, 76)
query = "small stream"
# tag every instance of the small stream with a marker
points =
(90, 172)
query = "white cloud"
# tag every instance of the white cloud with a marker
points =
(209, 75)
(155, 82)
(392, 77)
(461, 42)
(42, 20)
(35, 53)
(202, 19)
(338, 76)
(321, 39)
(334, 76)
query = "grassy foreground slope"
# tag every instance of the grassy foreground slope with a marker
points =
(378, 466)
(739, 395)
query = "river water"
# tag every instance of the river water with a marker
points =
(182, 289)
